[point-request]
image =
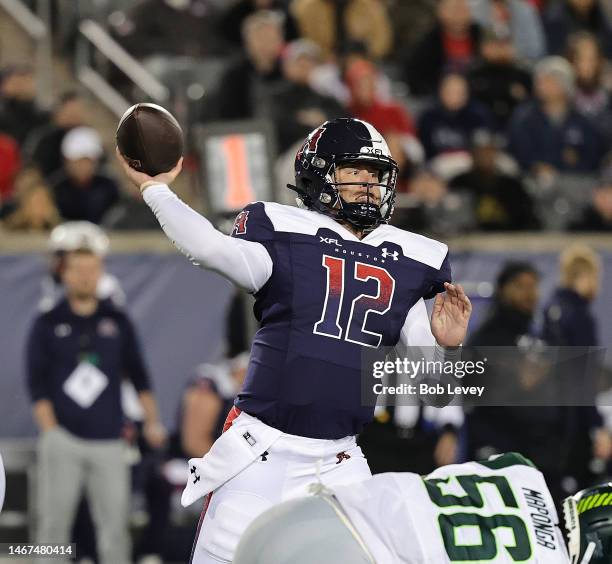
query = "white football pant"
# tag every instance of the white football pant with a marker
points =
(283, 471)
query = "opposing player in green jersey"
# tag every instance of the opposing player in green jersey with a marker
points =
(496, 511)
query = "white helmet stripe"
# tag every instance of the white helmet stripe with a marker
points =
(377, 139)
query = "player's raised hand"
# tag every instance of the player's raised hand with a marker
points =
(450, 316)
(139, 178)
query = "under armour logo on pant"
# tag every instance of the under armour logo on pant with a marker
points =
(264, 456)
(196, 478)
(342, 456)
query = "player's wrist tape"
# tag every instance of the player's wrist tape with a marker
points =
(146, 184)
(447, 353)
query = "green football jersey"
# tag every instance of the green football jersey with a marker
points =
(497, 511)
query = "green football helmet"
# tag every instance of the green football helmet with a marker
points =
(588, 520)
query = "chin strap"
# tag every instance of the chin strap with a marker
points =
(588, 553)
(339, 214)
(572, 524)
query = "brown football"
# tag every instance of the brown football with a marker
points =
(150, 139)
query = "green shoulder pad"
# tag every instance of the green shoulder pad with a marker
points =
(508, 459)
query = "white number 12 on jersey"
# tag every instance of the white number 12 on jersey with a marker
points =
(361, 306)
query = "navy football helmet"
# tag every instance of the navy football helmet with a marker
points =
(336, 143)
(588, 520)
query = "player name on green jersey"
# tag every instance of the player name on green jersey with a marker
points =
(498, 511)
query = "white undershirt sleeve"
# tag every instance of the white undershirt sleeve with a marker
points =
(416, 331)
(245, 263)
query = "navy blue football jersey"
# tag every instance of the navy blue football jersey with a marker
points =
(330, 295)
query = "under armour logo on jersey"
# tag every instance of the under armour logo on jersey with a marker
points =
(386, 253)
(342, 456)
(264, 456)
(249, 438)
(240, 223)
(196, 478)
(329, 241)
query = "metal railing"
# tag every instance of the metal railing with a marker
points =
(93, 35)
(37, 28)
(93, 43)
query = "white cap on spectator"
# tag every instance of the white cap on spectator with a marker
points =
(82, 142)
(74, 235)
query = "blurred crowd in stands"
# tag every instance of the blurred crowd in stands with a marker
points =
(499, 112)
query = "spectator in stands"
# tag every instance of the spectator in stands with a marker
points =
(569, 322)
(429, 207)
(497, 79)
(410, 21)
(539, 5)
(598, 215)
(33, 208)
(333, 24)
(516, 18)
(234, 16)
(297, 108)
(408, 153)
(81, 191)
(328, 78)
(19, 112)
(548, 135)
(448, 126)
(568, 319)
(10, 163)
(452, 44)
(77, 355)
(592, 96)
(564, 17)
(515, 301)
(246, 87)
(44, 145)
(500, 201)
(362, 79)
(168, 28)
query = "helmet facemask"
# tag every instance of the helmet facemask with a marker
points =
(377, 206)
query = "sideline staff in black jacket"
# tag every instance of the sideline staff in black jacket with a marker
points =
(77, 355)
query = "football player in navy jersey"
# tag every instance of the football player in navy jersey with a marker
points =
(331, 280)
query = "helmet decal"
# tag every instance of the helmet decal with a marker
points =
(313, 140)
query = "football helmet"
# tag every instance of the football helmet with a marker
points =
(339, 142)
(588, 520)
